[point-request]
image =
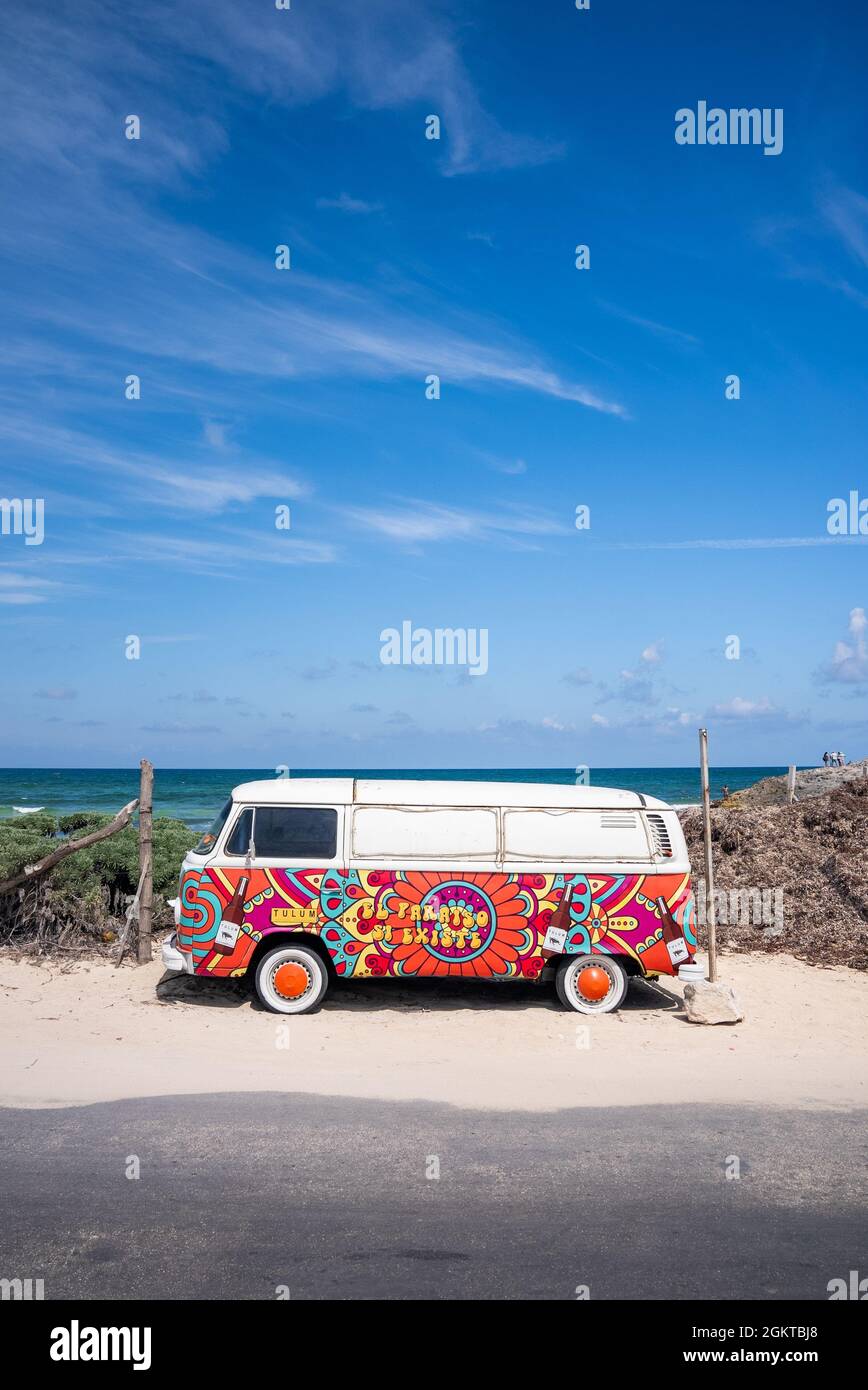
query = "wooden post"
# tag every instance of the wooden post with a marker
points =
(146, 862)
(710, 919)
(791, 783)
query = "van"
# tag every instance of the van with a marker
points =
(303, 881)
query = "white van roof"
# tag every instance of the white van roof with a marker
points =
(344, 791)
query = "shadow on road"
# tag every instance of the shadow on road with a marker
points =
(240, 1195)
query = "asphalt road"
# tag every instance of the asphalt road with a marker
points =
(241, 1194)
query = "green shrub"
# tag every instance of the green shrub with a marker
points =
(90, 889)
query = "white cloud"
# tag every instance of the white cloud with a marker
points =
(344, 203)
(666, 722)
(746, 543)
(165, 274)
(519, 731)
(17, 590)
(849, 664)
(846, 212)
(387, 55)
(739, 708)
(226, 551)
(414, 522)
(580, 676)
(660, 330)
(184, 483)
(214, 434)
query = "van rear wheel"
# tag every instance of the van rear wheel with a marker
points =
(291, 979)
(591, 984)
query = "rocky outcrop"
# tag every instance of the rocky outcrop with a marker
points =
(810, 782)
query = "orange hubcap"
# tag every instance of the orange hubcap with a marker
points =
(593, 983)
(291, 980)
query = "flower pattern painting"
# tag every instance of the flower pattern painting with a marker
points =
(388, 923)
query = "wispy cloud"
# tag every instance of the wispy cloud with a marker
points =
(652, 655)
(413, 522)
(632, 687)
(517, 731)
(186, 482)
(226, 551)
(805, 245)
(19, 590)
(388, 55)
(344, 203)
(849, 664)
(659, 330)
(509, 467)
(240, 317)
(187, 297)
(580, 676)
(738, 709)
(62, 692)
(745, 543)
(178, 727)
(666, 722)
(846, 213)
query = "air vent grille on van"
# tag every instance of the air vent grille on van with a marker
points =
(659, 834)
(617, 820)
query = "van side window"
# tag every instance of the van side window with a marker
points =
(241, 833)
(288, 832)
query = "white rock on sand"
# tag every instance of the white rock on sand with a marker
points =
(91, 1033)
(707, 1002)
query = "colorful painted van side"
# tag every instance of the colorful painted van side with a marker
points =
(304, 880)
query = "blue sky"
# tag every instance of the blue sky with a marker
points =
(559, 388)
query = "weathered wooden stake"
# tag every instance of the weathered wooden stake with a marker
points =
(710, 919)
(146, 861)
(791, 783)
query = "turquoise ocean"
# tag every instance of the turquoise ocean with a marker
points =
(195, 795)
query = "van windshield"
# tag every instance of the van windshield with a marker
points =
(212, 834)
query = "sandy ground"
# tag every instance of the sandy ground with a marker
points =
(90, 1033)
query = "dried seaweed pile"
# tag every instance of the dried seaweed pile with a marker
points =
(816, 851)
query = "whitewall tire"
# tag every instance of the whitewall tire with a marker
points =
(291, 979)
(591, 984)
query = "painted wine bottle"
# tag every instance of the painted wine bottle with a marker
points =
(673, 936)
(233, 916)
(559, 924)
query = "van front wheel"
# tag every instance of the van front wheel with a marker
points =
(591, 984)
(291, 979)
